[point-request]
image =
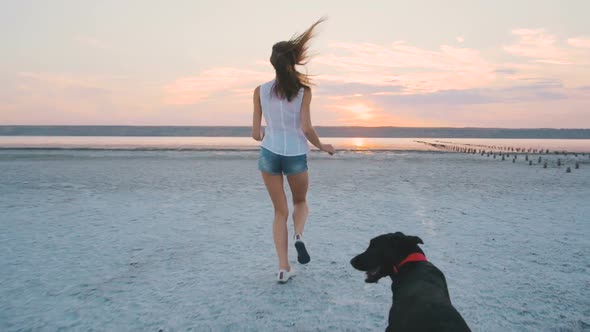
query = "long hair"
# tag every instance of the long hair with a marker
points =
(285, 55)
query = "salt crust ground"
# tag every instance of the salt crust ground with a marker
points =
(181, 241)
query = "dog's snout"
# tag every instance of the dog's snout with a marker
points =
(357, 263)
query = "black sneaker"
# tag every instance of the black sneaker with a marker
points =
(302, 254)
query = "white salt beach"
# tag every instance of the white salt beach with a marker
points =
(108, 240)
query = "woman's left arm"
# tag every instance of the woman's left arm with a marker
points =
(257, 133)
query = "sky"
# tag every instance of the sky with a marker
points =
(513, 64)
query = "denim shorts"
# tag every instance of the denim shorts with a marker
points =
(275, 164)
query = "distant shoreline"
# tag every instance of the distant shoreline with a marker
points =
(244, 131)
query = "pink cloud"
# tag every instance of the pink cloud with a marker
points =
(47, 97)
(536, 43)
(417, 70)
(555, 62)
(367, 56)
(343, 97)
(190, 90)
(579, 42)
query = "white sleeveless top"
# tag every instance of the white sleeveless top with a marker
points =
(283, 134)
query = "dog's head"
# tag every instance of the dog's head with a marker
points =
(384, 252)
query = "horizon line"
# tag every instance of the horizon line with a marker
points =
(315, 126)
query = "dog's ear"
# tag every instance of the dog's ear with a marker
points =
(413, 240)
(408, 239)
(397, 236)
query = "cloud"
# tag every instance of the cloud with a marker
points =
(579, 42)
(50, 96)
(364, 71)
(534, 91)
(371, 108)
(508, 71)
(335, 90)
(358, 84)
(445, 107)
(414, 69)
(190, 90)
(60, 98)
(555, 62)
(537, 44)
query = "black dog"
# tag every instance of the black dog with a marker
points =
(421, 299)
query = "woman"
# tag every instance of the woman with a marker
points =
(285, 103)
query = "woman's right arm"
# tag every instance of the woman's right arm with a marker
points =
(307, 127)
(257, 132)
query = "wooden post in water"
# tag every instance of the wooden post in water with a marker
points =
(577, 165)
(568, 170)
(558, 162)
(530, 163)
(545, 165)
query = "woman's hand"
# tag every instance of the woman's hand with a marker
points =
(258, 137)
(328, 148)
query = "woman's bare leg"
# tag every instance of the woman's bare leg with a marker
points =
(274, 185)
(299, 183)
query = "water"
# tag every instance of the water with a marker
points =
(244, 143)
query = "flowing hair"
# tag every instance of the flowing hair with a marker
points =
(285, 55)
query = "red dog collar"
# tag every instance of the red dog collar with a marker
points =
(415, 257)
